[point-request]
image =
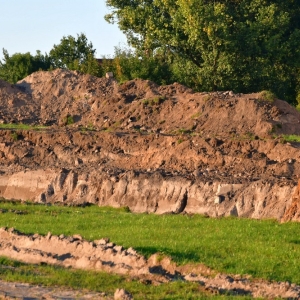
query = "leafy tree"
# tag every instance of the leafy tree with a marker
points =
(18, 66)
(245, 45)
(128, 64)
(75, 54)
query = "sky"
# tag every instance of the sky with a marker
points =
(30, 25)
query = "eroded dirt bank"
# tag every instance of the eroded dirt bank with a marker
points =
(162, 149)
(150, 172)
(105, 256)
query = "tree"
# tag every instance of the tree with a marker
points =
(128, 64)
(245, 45)
(74, 54)
(19, 65)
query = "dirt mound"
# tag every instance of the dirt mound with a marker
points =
(15, 105)
(102, 255)
(207, 154)
(142, 105)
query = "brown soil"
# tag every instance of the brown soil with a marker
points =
(162, 149)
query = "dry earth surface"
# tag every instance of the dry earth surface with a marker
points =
(158, 149)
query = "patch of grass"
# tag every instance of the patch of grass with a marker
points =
(291, 138)
(182, 131)
(21, 126)
(101, 282)
(267, 96)
(14, 136)
(263, 249)
(153, 101)
(196, 115)
(68, 120)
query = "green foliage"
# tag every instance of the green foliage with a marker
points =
(14, 136)
(102, 282)
(75, 54)
(68, 120)
(128, 64)
(245, 46)
(18, 66)
(153, 101)
(267, 96)
(71, 53)
(21, 126)
(291, 138)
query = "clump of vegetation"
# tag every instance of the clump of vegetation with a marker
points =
(196, 116)
(21, 126)
(182, 131)
(68, 120)
(291, 138)
(14, 136)
(154, 101)
(267, 96)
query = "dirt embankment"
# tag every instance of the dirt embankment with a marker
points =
(154, 149)
(160, 149)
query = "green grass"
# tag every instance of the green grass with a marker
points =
(291, 138)
(153, 101)
(102, 282)
(22, 126)
(263, 249)
(267, 96)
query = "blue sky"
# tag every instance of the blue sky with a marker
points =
(30, 25)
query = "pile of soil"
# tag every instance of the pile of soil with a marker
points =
(142, 105)
(162, 149)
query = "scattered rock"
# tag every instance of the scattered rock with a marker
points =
(121, 294)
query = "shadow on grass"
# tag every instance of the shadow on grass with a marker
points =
(179, 257)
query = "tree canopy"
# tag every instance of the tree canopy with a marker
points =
(245, 45)
(17, 66)
(71, 53)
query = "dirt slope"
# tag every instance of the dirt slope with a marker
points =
(139, 104)
(151, 148)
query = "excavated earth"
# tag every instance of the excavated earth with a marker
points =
(156, 149)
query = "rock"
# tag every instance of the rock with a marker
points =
(77, 237)
(121, 294)
(109, 75)
(218, 199)
(118, 248)
(103, 241)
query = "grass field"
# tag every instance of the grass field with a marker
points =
(263, 249)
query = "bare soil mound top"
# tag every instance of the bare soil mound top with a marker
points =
(15, 105)
(52, 97)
